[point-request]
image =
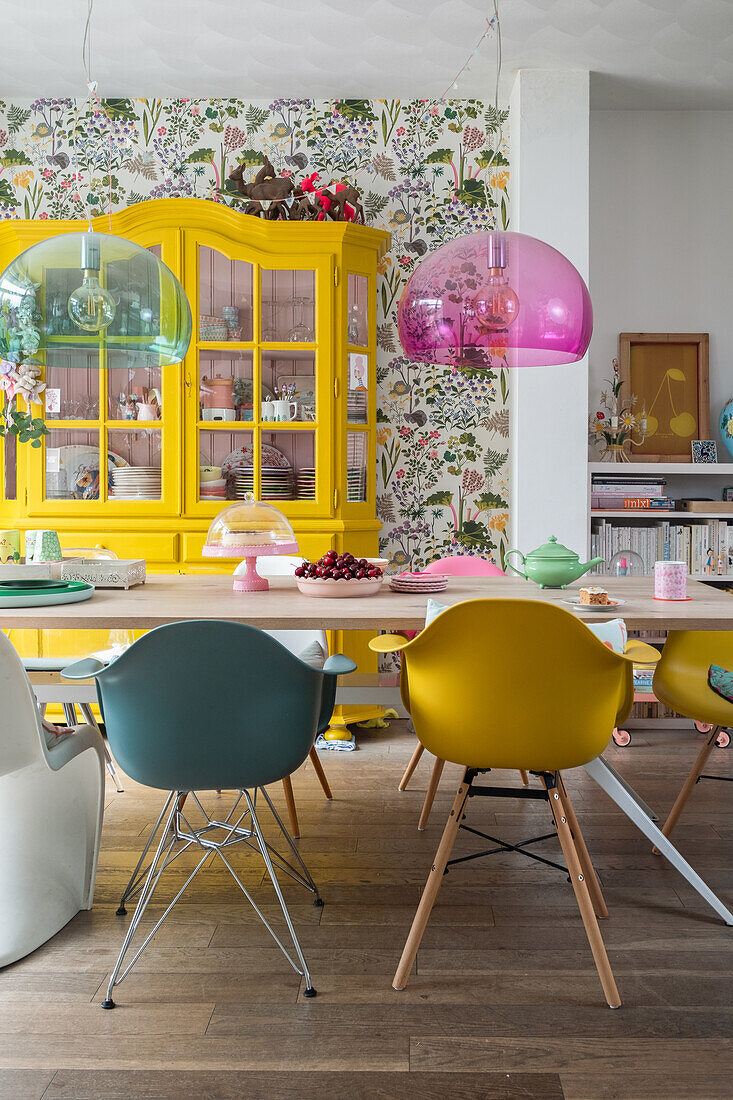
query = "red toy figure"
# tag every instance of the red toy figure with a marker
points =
(331, 198)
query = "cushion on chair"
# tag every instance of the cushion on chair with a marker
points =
(612, 633)
(721, 681)
(312, 655)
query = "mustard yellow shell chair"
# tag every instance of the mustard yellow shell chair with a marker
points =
(521, 685)
(681, 683)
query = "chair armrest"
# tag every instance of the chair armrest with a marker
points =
(389, 643)
(84, 737)
(639, 653)
(83, 670)
(338, 665)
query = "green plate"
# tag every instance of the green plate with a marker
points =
(46, 588)
(28, 583)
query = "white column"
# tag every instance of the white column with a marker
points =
(549, 199)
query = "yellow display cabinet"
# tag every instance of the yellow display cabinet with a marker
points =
(277, 391)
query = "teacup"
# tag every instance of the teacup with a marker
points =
(42, 545)
(282, 410)
(9, 546)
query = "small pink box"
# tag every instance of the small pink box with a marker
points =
(670, 580)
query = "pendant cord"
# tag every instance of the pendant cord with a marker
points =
(492, 24)
(93, 97)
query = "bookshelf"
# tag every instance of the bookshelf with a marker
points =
(683, 479)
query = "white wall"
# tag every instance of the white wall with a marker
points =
(549, 412)
(661, 235)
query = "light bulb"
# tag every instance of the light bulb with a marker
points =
(496, 305)
(90, 306)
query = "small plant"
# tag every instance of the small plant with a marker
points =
(26, 428)
(20, 374)
(614, 425)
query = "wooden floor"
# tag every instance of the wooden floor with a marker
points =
(505, 1002)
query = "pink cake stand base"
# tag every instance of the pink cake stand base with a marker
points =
(250, 580)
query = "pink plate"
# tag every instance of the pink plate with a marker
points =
(340, 589)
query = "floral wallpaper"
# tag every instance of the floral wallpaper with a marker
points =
(427, 171)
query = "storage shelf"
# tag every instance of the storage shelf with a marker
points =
(658, 468)
(641, 514)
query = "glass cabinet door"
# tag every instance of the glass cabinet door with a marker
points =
(110, 446)
(359, 340)
(258, 379)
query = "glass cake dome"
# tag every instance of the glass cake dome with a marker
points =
(250, 529)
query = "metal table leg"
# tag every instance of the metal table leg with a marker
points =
(637, 811)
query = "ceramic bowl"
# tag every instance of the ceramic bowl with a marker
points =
(340, 589)
(381, 563)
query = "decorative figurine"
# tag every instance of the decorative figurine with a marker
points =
(613, 428)
(340, 202)
(709, 563)
(265, 186)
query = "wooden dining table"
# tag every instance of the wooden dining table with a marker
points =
(176, 598)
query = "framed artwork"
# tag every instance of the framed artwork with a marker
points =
(669, 374)
(358, 371)
(704, 450)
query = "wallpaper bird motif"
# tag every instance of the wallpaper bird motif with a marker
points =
(428, 172)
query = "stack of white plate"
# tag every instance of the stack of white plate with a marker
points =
(213, 490)
(355, 483)
(305, 480)
(356, 406)
(135, 483)
(277, 484)
(418, 582)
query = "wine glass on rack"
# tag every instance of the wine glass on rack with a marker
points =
(269, 333)
(301, 332)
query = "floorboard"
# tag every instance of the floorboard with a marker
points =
(504, 1001)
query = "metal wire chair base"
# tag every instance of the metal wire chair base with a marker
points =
(212, 838)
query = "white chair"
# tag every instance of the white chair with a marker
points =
(63, 694)
(51, 806)
(311, 646)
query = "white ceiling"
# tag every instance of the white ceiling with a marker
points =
(642, 53)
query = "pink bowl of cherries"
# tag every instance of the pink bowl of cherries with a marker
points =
(338, 575)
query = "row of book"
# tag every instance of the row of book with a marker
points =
(629, 492)
(705, 547)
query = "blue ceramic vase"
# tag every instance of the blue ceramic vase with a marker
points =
(726, 425)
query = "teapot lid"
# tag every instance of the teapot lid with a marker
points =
(553, 550)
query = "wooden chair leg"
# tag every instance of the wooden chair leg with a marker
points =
(432, 886)
(582, 896)
(690, 782)
(318, 769)
(524, 777)
(430, 796)
(594, 886)
(290, 803)
(414, 761)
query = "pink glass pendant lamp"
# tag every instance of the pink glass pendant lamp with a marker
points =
(495, 299)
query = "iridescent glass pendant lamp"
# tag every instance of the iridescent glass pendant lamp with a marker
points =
(495, 299)
(86, 287)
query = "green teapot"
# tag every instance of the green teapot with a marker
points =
(552, 565)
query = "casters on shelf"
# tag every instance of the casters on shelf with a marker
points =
(310, 992)
(622, 738)
(109, 1003)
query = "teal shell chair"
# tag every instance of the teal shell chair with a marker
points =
(206, 705)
